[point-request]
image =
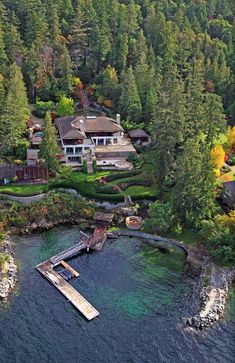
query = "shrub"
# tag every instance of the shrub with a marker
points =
(94, 166)
(20, 150)
(84, 166)
(122, 175)
(129, 183)
(160, 217)
(106, 189)
(42, 107)
(133, 158)
(220, 240)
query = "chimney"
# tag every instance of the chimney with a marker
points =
(118, 118)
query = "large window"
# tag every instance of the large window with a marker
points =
(69, 151)
(78, 150)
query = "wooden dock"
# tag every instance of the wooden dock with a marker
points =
(46, 268)
(80, 303)
(69, 268)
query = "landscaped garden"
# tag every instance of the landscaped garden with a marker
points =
(136, 183)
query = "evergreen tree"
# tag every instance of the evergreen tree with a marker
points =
(194, 193)
(16, 112)
(49, 147)
(130, 105)
(3, 55)
(168, 128)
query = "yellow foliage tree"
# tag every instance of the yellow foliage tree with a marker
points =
(218, 155)
(231, 136)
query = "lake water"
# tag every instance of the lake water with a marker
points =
(141, 294)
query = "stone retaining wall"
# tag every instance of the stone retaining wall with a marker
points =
(25, 200)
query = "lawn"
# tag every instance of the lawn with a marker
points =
(32, 189)
(85, 184)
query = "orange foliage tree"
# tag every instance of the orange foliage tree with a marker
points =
(218, 155)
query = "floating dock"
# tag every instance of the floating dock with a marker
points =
(80, 303)
(47, 268)
(69, 268)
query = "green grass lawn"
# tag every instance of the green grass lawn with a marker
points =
(85, 184)
(31, 189)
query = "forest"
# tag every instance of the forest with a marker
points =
(165, 65)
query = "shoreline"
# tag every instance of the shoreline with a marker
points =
(219, 279)
(8, 274)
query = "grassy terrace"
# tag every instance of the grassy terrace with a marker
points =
(86, 184)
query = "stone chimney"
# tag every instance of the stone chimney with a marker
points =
(118, 119)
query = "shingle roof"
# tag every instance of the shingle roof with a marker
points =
(66, 130)
(75, 127)
(230, 186)
(8, 171)
(137, 133)
(98, 124)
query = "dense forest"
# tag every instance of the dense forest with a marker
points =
(167, 65)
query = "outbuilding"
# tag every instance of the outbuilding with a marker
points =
(139, 136)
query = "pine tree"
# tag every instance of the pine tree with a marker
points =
(14, 44)
(130, 105)
(3, 55)
(49, 147)
(16, 112)
(168, 128)
(194, 193)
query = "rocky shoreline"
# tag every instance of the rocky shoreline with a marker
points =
(213, 299)
(8, 275)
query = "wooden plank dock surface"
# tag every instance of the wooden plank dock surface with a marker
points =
(67, 290)
(69, 268)
(68, 253)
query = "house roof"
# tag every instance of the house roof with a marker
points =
(137, 133)
(103, 217)
(66, 130)
(230, 186)
(8, 171)
(97, 124)
(76, 127)
(36, 140)
(32, 154)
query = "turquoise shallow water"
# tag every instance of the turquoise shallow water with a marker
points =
(141, 294)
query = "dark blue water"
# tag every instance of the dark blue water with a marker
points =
(140, 293)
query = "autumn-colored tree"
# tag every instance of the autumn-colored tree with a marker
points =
(218, 155)
(231, 137)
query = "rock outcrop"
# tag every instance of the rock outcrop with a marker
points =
(8, 274)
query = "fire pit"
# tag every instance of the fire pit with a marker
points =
(134, 222)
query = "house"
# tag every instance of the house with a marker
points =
(228, 194)
(139, 136)
(98, 137)
(22, 174)
(32, 157)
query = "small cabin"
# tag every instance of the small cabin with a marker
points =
(139, 136)
(103, 219)
(228, 194)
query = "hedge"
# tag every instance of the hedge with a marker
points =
(106, 189)
(130, 183)
(122, 175)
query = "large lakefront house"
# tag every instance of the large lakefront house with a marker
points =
(92, 137)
